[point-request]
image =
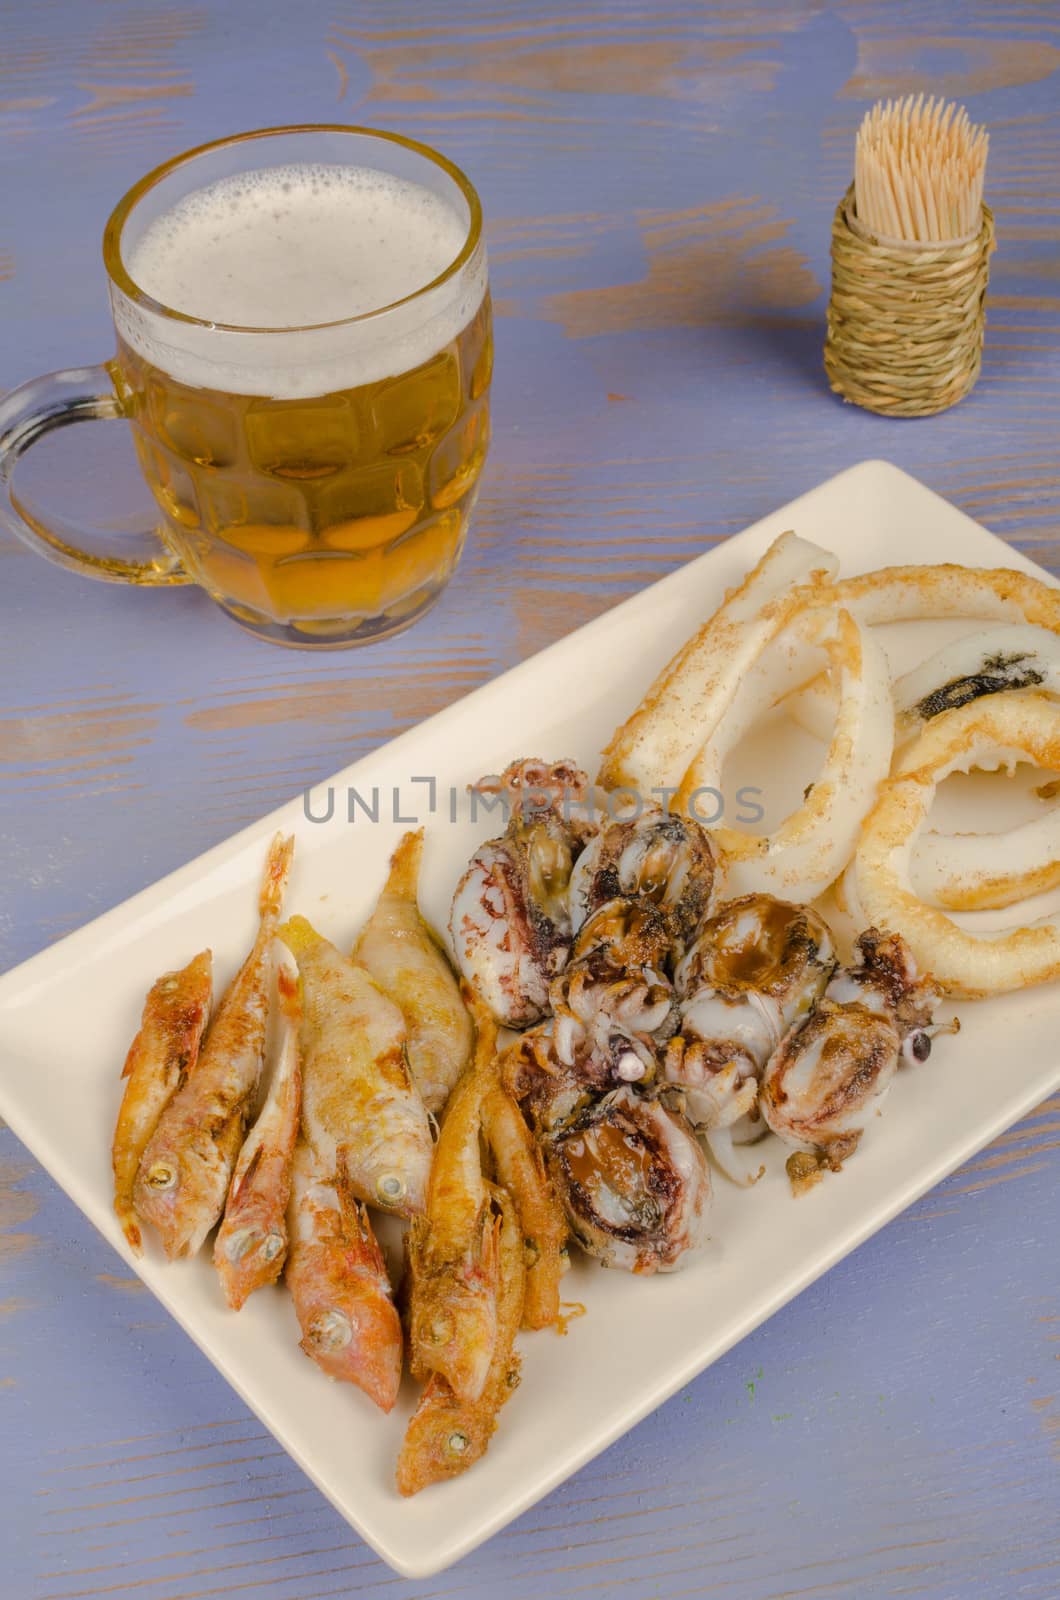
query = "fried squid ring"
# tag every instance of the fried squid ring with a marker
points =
(812, 846)
(918, 594)
(690, 696)
(959, 871)
(995, 661)
(962, 871)
(999, 731)
(921, 594)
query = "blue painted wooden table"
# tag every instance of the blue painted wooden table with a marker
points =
(659, 182)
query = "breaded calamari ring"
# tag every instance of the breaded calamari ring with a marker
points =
(999, 731)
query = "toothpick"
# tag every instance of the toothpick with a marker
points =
(918, 170)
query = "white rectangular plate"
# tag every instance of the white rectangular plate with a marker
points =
(67, 1016)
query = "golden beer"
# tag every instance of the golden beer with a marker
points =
(334, 514)
(304, 356)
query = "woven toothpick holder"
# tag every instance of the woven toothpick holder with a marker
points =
(905, 321)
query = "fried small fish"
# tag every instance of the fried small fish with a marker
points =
(252, 1240)
(401, 952)
(452, 1251)
(446, 1435)
(184, 1173)
(361, 1110)
(338, 1281)
(160, 1058)
(520, 1167)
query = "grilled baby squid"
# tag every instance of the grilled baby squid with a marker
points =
(588, 996)
(634, 1183)
(554, 1085)
(185, 1169)
(160, 1058)
(755, 967)
(613, 1007)
(623, 935)
(510, 921)
(829, 1075)
(550, 1090)
(606, 1026)
(666, 859)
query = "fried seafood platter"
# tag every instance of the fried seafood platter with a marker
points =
(435, 1132)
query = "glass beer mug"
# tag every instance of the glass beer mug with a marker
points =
(304, 357)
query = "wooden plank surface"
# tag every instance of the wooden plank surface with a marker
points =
(659, 182)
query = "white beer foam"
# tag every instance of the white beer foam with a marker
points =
(285, 248)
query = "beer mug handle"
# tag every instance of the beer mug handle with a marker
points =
(82, 394)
